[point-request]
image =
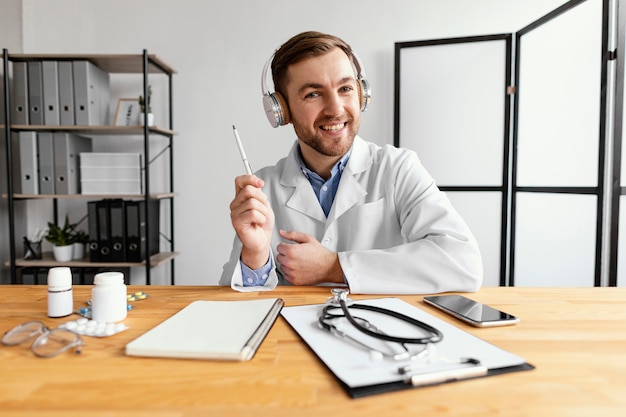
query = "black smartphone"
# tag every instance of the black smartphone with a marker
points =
(470, 311)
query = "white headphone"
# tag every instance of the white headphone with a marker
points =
(275, 105)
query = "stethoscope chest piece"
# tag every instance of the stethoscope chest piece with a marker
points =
(339, 295)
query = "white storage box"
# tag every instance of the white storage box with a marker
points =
(110, 173)
(110, 187)
(110, 159)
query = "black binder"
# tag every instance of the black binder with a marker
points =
(136, 229)
(94, 239)
(117, 235)
(104, 241)
(117, 230)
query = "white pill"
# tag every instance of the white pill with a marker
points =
(71, 325)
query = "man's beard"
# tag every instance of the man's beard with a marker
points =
(326, 148)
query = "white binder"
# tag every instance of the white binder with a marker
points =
(91, 94)
(46, 162)
(19, 106)
(66, 93)
(25, 176)
(35, 93)
(67, 147)
(50, 77)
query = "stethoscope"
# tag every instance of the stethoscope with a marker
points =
(340, 300)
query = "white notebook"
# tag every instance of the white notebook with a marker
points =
(228, 330)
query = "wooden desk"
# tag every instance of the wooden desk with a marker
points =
(576, 338)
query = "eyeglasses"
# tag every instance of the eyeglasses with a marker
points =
(49, 342)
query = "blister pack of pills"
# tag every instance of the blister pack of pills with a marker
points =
(85, 327)
(136, 296)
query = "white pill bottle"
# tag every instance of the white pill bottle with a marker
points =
(60, 295)
(108, 297)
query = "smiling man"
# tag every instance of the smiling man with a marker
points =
(339, 210)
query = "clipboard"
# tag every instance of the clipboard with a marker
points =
(361, 376)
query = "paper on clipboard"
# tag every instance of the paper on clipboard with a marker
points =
(354, 367)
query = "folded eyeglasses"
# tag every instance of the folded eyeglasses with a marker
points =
(48, 342)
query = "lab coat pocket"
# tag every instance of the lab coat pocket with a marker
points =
(368, 226)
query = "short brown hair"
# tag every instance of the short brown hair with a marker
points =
(302, 46)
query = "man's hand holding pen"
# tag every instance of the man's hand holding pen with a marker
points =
(303, 260)
(253, 220)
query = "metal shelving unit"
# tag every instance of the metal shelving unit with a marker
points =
(145, 65)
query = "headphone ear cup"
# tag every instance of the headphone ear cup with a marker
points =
(284, 109)
(365, 93)
(276, 109)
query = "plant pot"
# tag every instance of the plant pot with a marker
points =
(63, 253)
(150, 119)
(78, 250)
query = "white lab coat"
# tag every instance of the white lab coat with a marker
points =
(395, 232)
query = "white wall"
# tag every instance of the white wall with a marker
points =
(219, 49)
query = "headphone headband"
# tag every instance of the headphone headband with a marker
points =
(275, 105)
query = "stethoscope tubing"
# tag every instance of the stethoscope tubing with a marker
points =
(435, 334)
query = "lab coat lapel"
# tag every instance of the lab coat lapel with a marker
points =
(303, 198)
(350, 191)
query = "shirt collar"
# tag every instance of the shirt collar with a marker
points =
(337, 169)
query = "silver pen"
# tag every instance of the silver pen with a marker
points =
(246, 164)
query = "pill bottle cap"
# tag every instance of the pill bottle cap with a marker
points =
(59, 278)
(104, 278)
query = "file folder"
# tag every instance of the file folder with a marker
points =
(116, 229)
(94, 240)
(66, 93)
(104, 242)
(35, 93)
(25, 175)
(91, 94)
(67, 148)
(136, 229)
(50, 75)
(19, 107)
(45, 142)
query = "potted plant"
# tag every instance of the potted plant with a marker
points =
(62, 239)
(81, 238)
(146, 107)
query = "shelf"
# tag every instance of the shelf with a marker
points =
(156, 196)
(116, 63)
(48, 261)
(152, 137)
(95, 130)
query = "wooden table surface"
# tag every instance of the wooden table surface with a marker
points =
(576, 339)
